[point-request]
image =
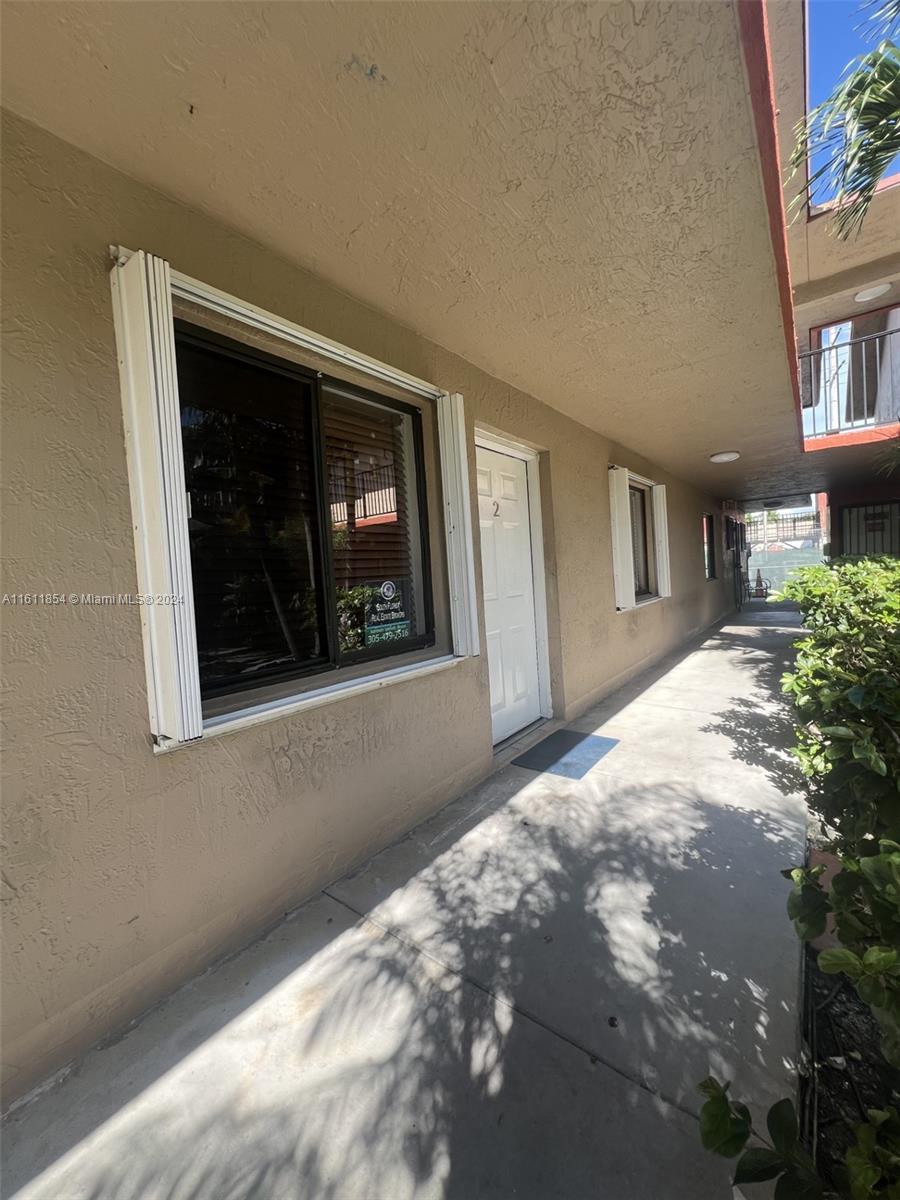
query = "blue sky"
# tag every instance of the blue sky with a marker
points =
(833, 41)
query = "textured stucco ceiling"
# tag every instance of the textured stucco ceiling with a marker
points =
(568, 195)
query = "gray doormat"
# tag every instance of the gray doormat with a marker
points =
(566, 753)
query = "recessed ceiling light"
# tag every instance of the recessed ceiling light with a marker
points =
(872, 293)
(725, 456)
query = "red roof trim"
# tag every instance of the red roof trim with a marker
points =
(754, 30)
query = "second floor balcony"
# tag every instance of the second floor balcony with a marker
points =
(851, 384)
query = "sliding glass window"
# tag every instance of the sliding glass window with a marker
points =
(308, 529)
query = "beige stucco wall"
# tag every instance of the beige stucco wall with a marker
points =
(126, 872)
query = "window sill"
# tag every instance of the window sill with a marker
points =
(276, 709)
(643, 603)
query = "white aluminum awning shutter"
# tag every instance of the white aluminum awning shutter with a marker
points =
(661, 540)
(620, 520)
(142, 304)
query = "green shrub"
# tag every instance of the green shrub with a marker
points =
(726, 1127)
(871, 1168)
(873, 1163)
(846, 688)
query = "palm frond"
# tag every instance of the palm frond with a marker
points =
(857, 129)
(882, 19)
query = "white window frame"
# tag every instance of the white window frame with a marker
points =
(620, 480)
(143, 287)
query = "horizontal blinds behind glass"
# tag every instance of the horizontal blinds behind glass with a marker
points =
(373, 502)
(367, 476)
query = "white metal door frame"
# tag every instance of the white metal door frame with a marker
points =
(502, 445)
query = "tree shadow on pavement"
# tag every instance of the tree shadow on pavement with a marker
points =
(559, 978)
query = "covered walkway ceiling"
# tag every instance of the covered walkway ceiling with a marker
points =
(568, 195)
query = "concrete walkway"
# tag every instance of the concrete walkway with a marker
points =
(517, 1000)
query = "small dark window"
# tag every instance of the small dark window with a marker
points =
(308, 527)
(637, 501)
(709, 545)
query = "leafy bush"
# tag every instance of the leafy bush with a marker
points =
(865, 901)
(872, 1168)
(846, 688)
(873, 1163)
(726, 1127)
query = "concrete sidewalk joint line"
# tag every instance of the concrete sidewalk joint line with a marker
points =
(595, 1058)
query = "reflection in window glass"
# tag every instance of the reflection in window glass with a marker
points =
(637, 500)
(275, 461)
(255, 554)
(370, 463)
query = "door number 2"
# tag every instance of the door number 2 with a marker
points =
(496, 508)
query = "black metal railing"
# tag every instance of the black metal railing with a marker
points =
(784, 528)
(851, 385)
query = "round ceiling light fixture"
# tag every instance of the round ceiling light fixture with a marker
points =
(725, 456)
(872, 293)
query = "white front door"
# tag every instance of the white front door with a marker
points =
(508, 591)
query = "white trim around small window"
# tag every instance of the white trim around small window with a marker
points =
(640, 539)
(143, 287)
